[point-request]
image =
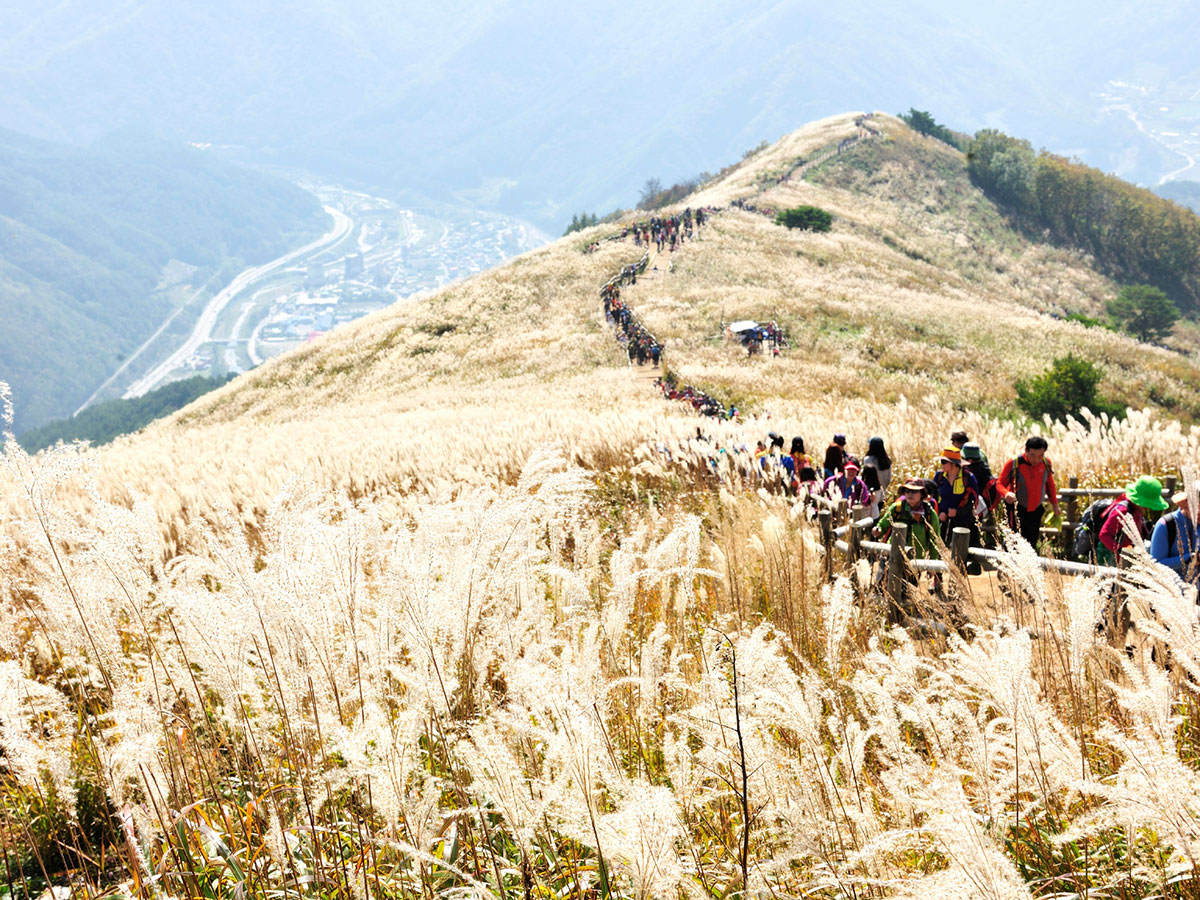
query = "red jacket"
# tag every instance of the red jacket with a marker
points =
(1033, 484)
(1112, 533)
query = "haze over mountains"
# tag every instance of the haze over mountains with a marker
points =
(99, 245)
(540, 109)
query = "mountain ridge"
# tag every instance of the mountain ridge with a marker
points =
(921, 306)
(456, 97)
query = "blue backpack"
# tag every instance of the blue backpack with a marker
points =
(1089, 528)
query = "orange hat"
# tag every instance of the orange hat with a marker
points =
(951, 454)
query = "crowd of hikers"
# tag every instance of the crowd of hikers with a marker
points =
(965, 492)
(638, 342)
(701, 402)
(640, 345)
(754, 337)
(667, 231)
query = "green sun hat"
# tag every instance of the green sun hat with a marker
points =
(1146, 492)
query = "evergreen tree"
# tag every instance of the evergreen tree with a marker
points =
(580, 221)
(923, 122)
(1144, 311)
(806, 218)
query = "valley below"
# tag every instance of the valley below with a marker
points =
(376, 253)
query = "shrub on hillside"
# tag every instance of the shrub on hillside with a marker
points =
(1088, 321)
(1006, 168)
(1144, 311)
(806, 218)
(1068, 386)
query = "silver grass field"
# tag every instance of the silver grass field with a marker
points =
(468, 612)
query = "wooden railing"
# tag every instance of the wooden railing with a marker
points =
(852, 539)
(1073, 492)
(1069, 495)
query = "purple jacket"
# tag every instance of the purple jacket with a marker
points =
(856, 492)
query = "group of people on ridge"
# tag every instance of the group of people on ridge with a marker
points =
(639, 343)
(965, 492)
(667, 231)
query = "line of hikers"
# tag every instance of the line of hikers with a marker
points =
(964, 493)
(643, 347)
(742, 203)
(667, 231)
(662, 231)
(639, 343)
(700, 401)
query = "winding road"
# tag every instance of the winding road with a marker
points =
(202, 333)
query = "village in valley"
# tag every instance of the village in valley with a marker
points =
(380, 253)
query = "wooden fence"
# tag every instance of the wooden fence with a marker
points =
(844, 529)
(623, 276)
(847, 531)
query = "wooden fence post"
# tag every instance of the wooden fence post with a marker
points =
(825, 520)
(960, 542)
(895, 572)
(1169, 485)
(854, 535)
(842, 513)
(1069, 526)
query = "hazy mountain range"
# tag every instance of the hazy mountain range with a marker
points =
(541, 109)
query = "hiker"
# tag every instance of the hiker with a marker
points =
(986, 483)
(1173, 540)
(976, 463)
(795, 460)
(772, 460)
(957, 494)
(914, 510)
(1128, 512)
(960, 439)
(877, 473)
(847, 485)
(1025, 482)
(835, 455)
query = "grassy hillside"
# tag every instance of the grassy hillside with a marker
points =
(99, 245)
(920, 308)
(451, 600)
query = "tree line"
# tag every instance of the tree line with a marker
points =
(107, 421)
(1134, 235)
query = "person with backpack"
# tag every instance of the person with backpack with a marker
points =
(848, 486)
(877, 473)
(1173, 540)
(913, 510)
(796, 460)
(1128, 512)
(1024, 484)
(835, 455)
(957, 493)
(976, 463)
